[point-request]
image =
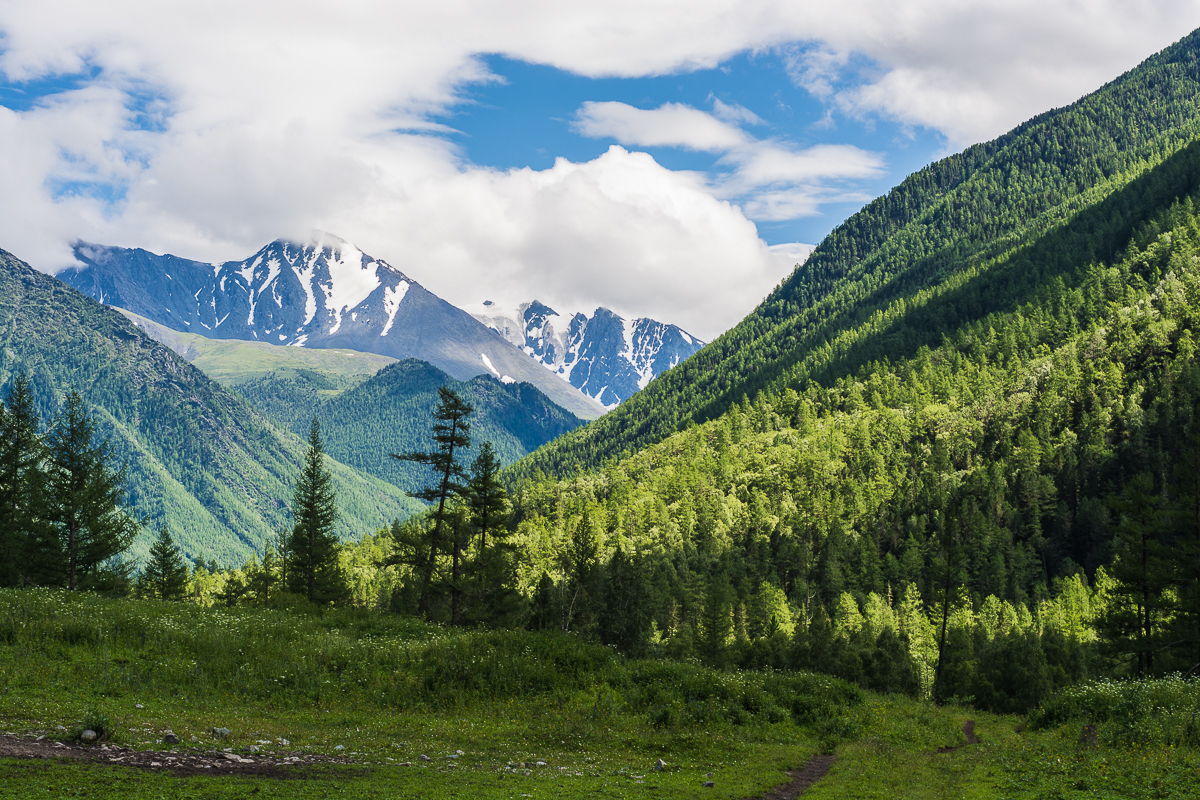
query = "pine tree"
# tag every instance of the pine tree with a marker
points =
(312, 547)
(22, 481)
(166, 574)
(89, 520)
(450, 434)
(625, 617)
(1143, 571)
(491, 573)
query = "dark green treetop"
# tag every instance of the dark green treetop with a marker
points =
(312, 547)
(86, 508)
(166, 574)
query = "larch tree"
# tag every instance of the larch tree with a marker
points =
(312, 547)
(88, 518)
(450, 434)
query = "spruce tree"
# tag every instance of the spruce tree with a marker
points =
(22, 485)
(450, 433)
(625, 617)
(166, 574)
(312, 547)
(88, 518)
(491, 572)
(1144, 570)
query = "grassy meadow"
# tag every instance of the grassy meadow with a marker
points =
(388, 689)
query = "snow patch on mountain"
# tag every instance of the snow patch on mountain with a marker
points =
(604, 355)
(392, 298)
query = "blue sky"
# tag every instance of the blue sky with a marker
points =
(525, 120)
(657, 157)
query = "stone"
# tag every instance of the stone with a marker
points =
(220, 733)
(460, 752)
(138, 705)
(283, 742)
(452, 755)
(253, 748)
(541, 764)
(340, 747)
(658, 765)
(87, 736)
(424, 757)
(169, 737)
(709, 785)
(60, 727)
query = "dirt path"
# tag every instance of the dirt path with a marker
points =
(968, 729)
(179, 762)
(802, 778)
(816, 768)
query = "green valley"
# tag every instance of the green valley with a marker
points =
(201, 460)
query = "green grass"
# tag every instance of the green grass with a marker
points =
(389, 689)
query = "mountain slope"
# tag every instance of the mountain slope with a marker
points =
(324, 293)
(201, 460)
(393, 411)
(233, 361)
(605, 356)
(948, 221)
(1025, 429)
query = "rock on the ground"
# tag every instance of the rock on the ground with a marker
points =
(169, 737)
(709, 785)
(87, 736)
(424, 757)
(221, 733)
(659, 765)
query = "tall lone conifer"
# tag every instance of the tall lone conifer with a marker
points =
(451, 433)
(89, 521)
(166, 574)
(21, 480)
(312, 547)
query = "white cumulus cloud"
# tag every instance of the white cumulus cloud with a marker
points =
(208, 127)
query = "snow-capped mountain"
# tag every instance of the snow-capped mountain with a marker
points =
(605, 356)
(320, 293)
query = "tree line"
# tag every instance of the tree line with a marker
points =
(66, 518)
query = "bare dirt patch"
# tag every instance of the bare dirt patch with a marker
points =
(968, 729)
(802, 779)
(179, 762)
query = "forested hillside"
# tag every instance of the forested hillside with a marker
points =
(947, 222)
(1023, 431)
(391, 413)
(200, 459)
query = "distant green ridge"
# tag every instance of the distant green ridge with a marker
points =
(943, 221)
(365, 420)
(201, 459)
